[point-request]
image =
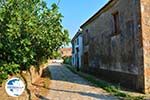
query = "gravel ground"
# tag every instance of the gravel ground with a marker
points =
(66, 85)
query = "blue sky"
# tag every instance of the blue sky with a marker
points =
(76, 12)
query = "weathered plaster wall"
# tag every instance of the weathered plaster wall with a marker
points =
(121, 55)
(145, 9)
(78, 45)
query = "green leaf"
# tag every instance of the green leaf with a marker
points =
(1, 45)
(29, 33)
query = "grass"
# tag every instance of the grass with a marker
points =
(112, 89)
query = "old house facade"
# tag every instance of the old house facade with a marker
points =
(77, 49)
(116, 43)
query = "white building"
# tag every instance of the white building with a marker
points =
(77, 49)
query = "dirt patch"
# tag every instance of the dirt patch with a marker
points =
(41, 86)
(37, 90)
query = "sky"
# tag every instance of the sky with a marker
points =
(76, 12)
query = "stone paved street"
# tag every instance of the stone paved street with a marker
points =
(66, 85)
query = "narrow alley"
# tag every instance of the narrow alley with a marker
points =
(66, 85)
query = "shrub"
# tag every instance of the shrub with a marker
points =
(67, 60)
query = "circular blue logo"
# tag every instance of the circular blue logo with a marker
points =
(14, 87)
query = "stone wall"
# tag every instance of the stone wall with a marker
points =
(145, 9)
(118, 58)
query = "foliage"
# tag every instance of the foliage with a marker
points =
(6, 69)
(56, 55)
(67, 60)
(29, 33)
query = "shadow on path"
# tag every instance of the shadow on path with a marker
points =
(98, 96)
(94, 95)
(61, 73)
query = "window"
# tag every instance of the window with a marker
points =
(116, 23)
(75, 41)
(73, 47)
(78, 41)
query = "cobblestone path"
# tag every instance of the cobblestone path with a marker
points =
(66, 85)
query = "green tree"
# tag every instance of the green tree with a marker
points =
(29, 34)
(56, 55)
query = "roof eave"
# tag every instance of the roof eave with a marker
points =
(96, 14)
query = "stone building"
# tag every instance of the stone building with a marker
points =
(116, 43)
